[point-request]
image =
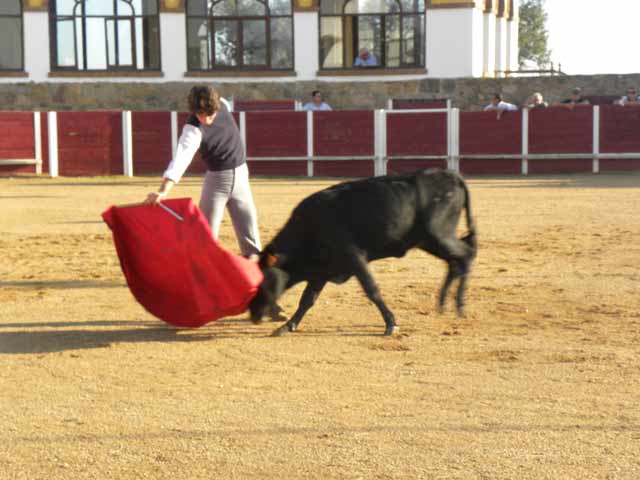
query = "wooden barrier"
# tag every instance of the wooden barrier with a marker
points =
(263, 105)
(18, 150)
(90, 143)
(340, 143)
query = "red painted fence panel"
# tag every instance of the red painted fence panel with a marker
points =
(484, 133)
(343, 133)
(558, 130)
(263, 105)
(619, 129)
(151, 142)
(17, 141)
(416, 134)
(276, 134)
(90, 143)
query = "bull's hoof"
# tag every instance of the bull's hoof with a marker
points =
(278, 316)
(393, 330)
(279, 332)
(256, 320)
(461, 312)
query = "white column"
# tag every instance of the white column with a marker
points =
(596, 139)
(380, 142)
(525, 142)
(127, 144)
(37, 142)
(173, 45)
(489, 57)
(512, 44)
(36, 45)
(52, 120)
(306, 35)
(501, 45)
(309, 143)
(174, 133)
(454, 43)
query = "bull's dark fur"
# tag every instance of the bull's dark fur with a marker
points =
(333, 234)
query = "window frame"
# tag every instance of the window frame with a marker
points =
(20, 69)
(401, 14)
(239, 20)
(110, 69)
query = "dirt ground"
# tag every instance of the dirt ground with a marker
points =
(540, 381)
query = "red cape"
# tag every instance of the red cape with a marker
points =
(174, 267)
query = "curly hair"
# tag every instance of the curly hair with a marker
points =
(204, 100)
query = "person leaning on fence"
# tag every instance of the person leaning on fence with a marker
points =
(500, 106)
(536, 100)
(631, 99)
(316, 102)
(575, 99)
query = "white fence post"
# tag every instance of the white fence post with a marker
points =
(525, 141)
(596, 139)
(52, 120)
(127, 144)
(380, 142)
(37, 142)
(310, 143)
(174, 133)
(455, 140)
(243, 131)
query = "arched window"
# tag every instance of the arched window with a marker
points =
(98, 35)
(391, 31)
(11, 58)
(239, 34)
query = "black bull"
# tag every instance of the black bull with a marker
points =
(332, 235)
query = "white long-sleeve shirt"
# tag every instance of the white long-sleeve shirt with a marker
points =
(188, 145)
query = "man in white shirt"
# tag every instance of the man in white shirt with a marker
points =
(316, 103)
(499, 105)
(631, 99)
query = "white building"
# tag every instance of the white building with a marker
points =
(249, 40)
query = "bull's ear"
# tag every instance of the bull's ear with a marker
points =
(271, 260)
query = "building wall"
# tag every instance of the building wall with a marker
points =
(455, 47)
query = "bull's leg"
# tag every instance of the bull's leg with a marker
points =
(308, 298)
(373, 293)
(458, 255)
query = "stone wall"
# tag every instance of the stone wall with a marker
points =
(467, 93)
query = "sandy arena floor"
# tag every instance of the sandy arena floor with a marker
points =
(541, 381)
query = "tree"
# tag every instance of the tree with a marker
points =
(533, 35)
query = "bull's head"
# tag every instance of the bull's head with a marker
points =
(272, 286)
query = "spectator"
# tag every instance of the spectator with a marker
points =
(576, 98)
(365, 59)
(499, 105)
(535, 101)
(316, 102)
(630, 99)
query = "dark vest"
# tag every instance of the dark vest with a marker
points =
(221, 146)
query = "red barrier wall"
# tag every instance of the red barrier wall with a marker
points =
(484, 133)
(262, 105)
(197, 164)
(399, 165)
(17, 141)
(297, 168)
(90, 143)
(343, 133)
(151, 142)
(276, 134)
(619, 129)
(343, 168)
(558, 130)
(414, 104)
(416, 134)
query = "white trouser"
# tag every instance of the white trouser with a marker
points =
(231, 188)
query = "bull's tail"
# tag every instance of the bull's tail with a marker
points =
(470, 237)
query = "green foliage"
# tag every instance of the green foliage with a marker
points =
(533, 36)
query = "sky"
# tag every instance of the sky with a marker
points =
(594, 36)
